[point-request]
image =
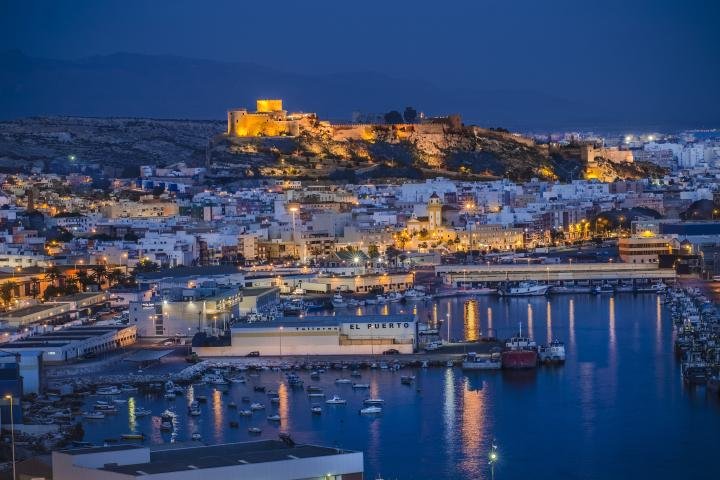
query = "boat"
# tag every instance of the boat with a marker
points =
(315, 375)
(605, 288)
(523, 289)
(132, 436)
(245, 399)
(254, 430)
(355, 373)
(313, 389)
(520, 352)
(112, 390)
(94, 415)
(259, 388)
(275, 400)
(338, 301)
(316, 410)
(120, 400)
(257, 406)
(166, 425)
(201, 399)
(342, 380)
(245, 413)
(413, 294)
(374, 401)
(128, 389)
(141, 412)
(238, 379)
(475, 361)
(371, 410)
(654, 288)
(407, 379)
(194, 412)
(554, 352)
(450, 364)
(336, 400)
(196, 436)
(274, 418)
(394, 297)
(361, 385)
(169, 396)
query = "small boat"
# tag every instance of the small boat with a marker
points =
(338, 301)
(336, 400)
(371, 410)
(474, 361)
(450, 364)
(257, 406)
(170, 396)
(132, 436)
(196, 436)
(316, 394)
(374, 401)
(245, 413)
(120, 400)
(141, 412)
(342, 380)
(166, 425)
(194, 412)
(355, 374)
(315, 375)
(316, 410)
(94, 415)
(254, 430)
(312, 389)
(108, 391)
(274, 418)
(552, 353)
(275, 400)
(239, 379)
(361, 385)
(128, 389)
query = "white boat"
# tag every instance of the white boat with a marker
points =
(245, 413)
(94, 415)
(257, 406)
(316, 394)
(338, 301)
(239, 379)
(361, 385)
(523, 289)
(463, 292)
(336, 400)
(382, 299)
(254, 430)
(474, 361)
(128, 389)
(274, 418)
(316, 410)
(108, 391)
(413, 294)
(374, 401)
(120, 400)
(552, 353)
(141, 412)
(196, 436)
(394, 297)
(371, 410)
(342, 380)
(166, 425)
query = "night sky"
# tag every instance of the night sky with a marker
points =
(639, 54)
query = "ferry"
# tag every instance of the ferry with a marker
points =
(552, 353)
(520, 352)
(474, 361)
(523, 289)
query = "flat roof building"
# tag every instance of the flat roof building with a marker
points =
(261, 460)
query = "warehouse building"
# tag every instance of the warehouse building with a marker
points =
(322, 335)
(266, 459)
(74, 342)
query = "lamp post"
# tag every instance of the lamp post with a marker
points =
(448, 324)
(493, 456)
(12, 432)
(281, 332)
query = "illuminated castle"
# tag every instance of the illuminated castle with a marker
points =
(268, 120)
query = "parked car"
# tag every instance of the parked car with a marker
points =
(391, 351)
(253, 354)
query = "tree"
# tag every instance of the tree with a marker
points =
(34, 287)
(116, 277)
(146, 266)
(393, 117)
(82, 278)
(410, 115)
(52, 275)
(6, 291)
(99, 273)
(373, 251)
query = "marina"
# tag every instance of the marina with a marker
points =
(593, 397)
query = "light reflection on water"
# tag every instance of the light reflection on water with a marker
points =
(471, 320)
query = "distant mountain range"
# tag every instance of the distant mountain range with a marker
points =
(132, 85)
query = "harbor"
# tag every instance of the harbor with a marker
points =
(595, 396)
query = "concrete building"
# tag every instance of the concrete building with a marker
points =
(143, 209)
(262, 460)
(645, 247)
(338, 335)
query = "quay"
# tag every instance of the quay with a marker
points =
(554, 274)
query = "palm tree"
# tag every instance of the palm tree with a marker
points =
(52, 275)
(116, 277)
(34, 287)
(99, 273)
(83, 278)
(6, 291)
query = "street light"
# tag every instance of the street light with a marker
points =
(493, 460)
(12, 432)
(281, 331)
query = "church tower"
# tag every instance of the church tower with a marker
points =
(434, 210)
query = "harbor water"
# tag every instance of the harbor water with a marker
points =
(616, 409)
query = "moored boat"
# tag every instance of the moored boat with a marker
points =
(554, 352)
(520, 352)
(475, 361)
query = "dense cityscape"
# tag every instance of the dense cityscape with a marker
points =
(391, 292)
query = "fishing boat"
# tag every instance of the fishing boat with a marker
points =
(605, 288)
(519, 352)
(336, 400)
(474, 361)
(554, 352)
(371, 410)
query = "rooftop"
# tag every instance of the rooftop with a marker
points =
(327, 321)
(180, 272)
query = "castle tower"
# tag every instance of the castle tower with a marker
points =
(434, 210)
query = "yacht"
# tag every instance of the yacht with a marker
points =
(274, 418)
(371, 410)
(523, 289)
(343, 380)
(336, 400)
(257, 406)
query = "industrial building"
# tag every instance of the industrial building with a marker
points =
(74, 342)
(266, 460)
(321, 335)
